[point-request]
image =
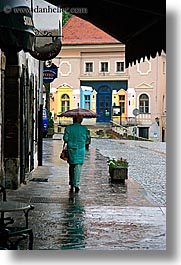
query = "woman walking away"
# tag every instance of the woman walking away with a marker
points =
(76, 136)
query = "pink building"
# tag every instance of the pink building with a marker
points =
(147, 93)
(92, 64)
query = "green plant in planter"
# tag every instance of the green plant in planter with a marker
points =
(113, 163)
(118, 169)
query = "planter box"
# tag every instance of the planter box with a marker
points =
(118, 174)
(50, 132)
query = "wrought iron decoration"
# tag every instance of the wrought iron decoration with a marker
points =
(49, 50)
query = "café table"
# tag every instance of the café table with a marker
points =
(14, 206)
(11, 207)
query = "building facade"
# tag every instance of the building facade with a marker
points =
(92, 75)
(21, 85)
(19, 118)
(147, 93)
(92, 65)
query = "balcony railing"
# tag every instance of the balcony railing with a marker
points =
(144, 118)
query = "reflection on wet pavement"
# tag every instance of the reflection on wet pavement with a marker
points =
(73, 236)
(103, 216)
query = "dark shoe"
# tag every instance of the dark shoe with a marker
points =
(77, 189)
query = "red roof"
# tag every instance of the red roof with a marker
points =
(80, 31)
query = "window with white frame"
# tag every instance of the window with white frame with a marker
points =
(87, 101)
(65, 100)
(144, 103)
(104, 67)
(88, 67)
(119, 66)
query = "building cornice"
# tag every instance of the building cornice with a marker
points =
(94, 47)
(104, 78)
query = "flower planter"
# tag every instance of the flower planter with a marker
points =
(118, 169)
(118, 174)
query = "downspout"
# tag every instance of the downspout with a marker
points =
(40, 113)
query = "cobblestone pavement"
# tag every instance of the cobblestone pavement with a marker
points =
(102, 216)
(147, 163)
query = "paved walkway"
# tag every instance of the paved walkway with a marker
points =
(103, 216)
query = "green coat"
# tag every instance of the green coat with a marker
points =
(76, 136)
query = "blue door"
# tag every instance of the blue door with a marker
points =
(104, 103)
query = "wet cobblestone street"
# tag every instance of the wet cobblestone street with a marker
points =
(102, 216)
(147, 163)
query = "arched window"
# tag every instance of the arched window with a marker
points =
(144, 103)
(104, 89)
(65, 100)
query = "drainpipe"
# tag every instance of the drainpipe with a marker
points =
(40, 113)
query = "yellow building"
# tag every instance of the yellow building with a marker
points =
(119, 100)
(61, 100)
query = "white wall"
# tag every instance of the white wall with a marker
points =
(33, 68)
(131, 101)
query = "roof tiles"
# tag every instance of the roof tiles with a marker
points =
(80, 31)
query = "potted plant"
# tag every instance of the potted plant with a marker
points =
(118, 169)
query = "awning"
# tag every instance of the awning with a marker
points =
(140, 25)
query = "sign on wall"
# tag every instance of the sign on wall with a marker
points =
(49, 72)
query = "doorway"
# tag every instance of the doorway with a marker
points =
(144, 132)
(104, 103)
